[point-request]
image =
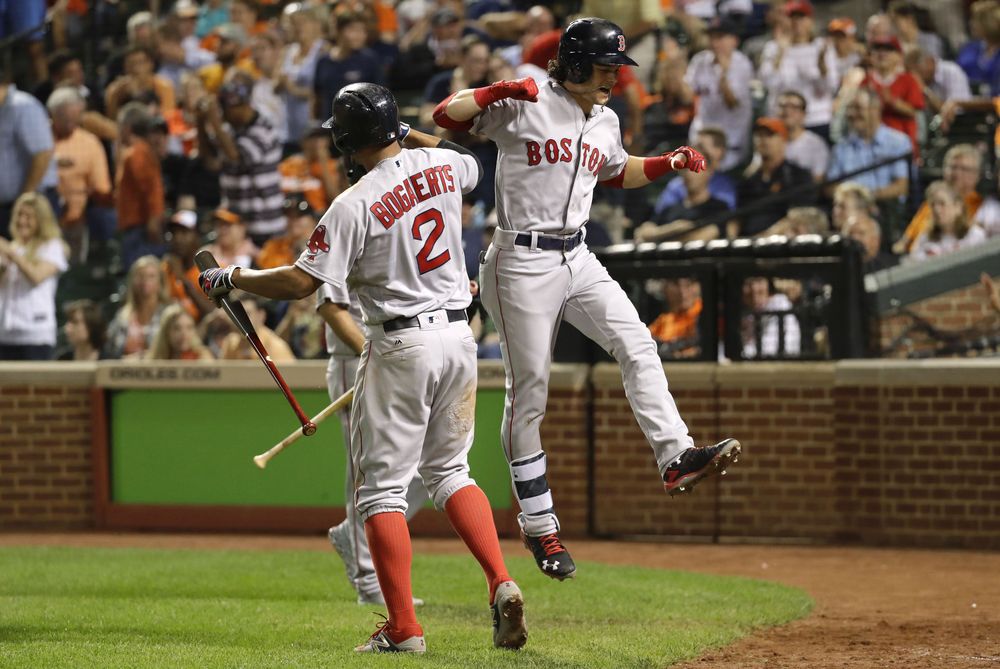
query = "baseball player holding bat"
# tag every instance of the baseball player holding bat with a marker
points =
(557, 140)
(395, 238)
(345, 339)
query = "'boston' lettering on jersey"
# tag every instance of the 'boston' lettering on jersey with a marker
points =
(562, 151)
(415, 189)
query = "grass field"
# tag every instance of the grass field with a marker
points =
(73, 607)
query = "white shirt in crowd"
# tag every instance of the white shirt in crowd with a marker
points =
(703, 76)
(708, 9)
(988, 217)
(266, 101)
(808, 150)
(950, 82)
(925, 248)
(798, 71)
(769, 330)
(27, 310)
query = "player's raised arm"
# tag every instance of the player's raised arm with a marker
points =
(640, 171)
(457, 110)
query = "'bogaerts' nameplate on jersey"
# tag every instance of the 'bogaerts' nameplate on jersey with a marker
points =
(550, 147)
(413, 190)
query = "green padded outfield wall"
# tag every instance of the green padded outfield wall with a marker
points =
(196, 447)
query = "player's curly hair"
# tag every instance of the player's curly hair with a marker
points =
(558, 71)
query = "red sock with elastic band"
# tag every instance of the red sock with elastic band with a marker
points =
(470, 514)
(392, 554)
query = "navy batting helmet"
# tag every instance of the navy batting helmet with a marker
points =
(363, 115)
(588, 41)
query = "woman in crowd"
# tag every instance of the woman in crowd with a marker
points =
(30, 265)
(132, 329)
(84, 330)
(177, 338)
(298, 66)
(950, 229)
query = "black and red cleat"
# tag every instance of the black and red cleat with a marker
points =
(694, 464)
(550, 555)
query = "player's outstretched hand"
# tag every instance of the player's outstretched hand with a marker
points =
(218, 281)
(515, 89)
(686, 157)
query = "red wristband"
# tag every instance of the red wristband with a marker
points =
(486, 96)
(656, 167)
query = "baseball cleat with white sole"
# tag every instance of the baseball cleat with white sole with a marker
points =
(508, 617)
(694, 464)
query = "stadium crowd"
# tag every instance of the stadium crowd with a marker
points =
(139, 132)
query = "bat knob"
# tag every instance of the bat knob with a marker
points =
(309, 429)
(260, 460)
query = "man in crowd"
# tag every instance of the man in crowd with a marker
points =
(139, 186)
(805, 148)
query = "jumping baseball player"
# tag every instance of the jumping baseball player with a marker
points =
(395, 238)
(557, 141)
(345, 339)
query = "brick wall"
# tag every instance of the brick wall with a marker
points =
(46, 478)
(956, 310)
(882, 453)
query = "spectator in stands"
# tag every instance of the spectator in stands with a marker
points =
(471, 73)
(313, 172)
(902, 97)
(84, 331)
(347, 62)
(247, 150)
(805, 148)
(65, 68)
(519, 27)
(668, 117)
(950, 228)
(132, 329)
(761, 330)
(298, 69)
(231, 39)
(170, 55)
(231, 245)
(302, 329)
(962, 169)
(843, 43)
(676, 329)
(213, 13)
(642, 23)
(768, 177)
(177, 338)
(30, 265)
(139, 32)
(82, 167)
(266, 98)
(185, 14)
(284, 250)
(26, 155)
(801, 221)
(942, 80)
(801, 65)
(445, 41)
(980, 58)
(720, 185)
(692, 217)
(720, 78)
(868, 143)
(139, 83)
(180, 274)
(235, 345)
(19, 18)
(139, 186)
(904, 19)
(861, 227)
(850, 198)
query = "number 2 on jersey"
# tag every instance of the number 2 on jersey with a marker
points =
(424, 263)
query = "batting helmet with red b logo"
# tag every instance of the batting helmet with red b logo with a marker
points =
(588, 41)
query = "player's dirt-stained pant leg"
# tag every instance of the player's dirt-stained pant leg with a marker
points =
(340, 376)
(599, 308)
(523, 291)
(415, 388)
(444, 464)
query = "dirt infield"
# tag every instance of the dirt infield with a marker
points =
(874, 608)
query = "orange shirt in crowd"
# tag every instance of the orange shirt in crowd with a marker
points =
(385, 16)
(82, 166)
(301, 176)
(175, 287)
(673, 325)
(139, 186)
(178, 127)
(922, 219)
(276, 252)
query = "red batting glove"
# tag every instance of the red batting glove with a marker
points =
(655, 168)
(518, 89)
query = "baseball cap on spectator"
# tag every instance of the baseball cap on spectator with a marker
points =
(226, 217)
(800, 7)
(444, 16)
(185, 9)
(843, 25)
(772, 125)
(724, 25)
(890, 42)
(232, 32)
(185, 218)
